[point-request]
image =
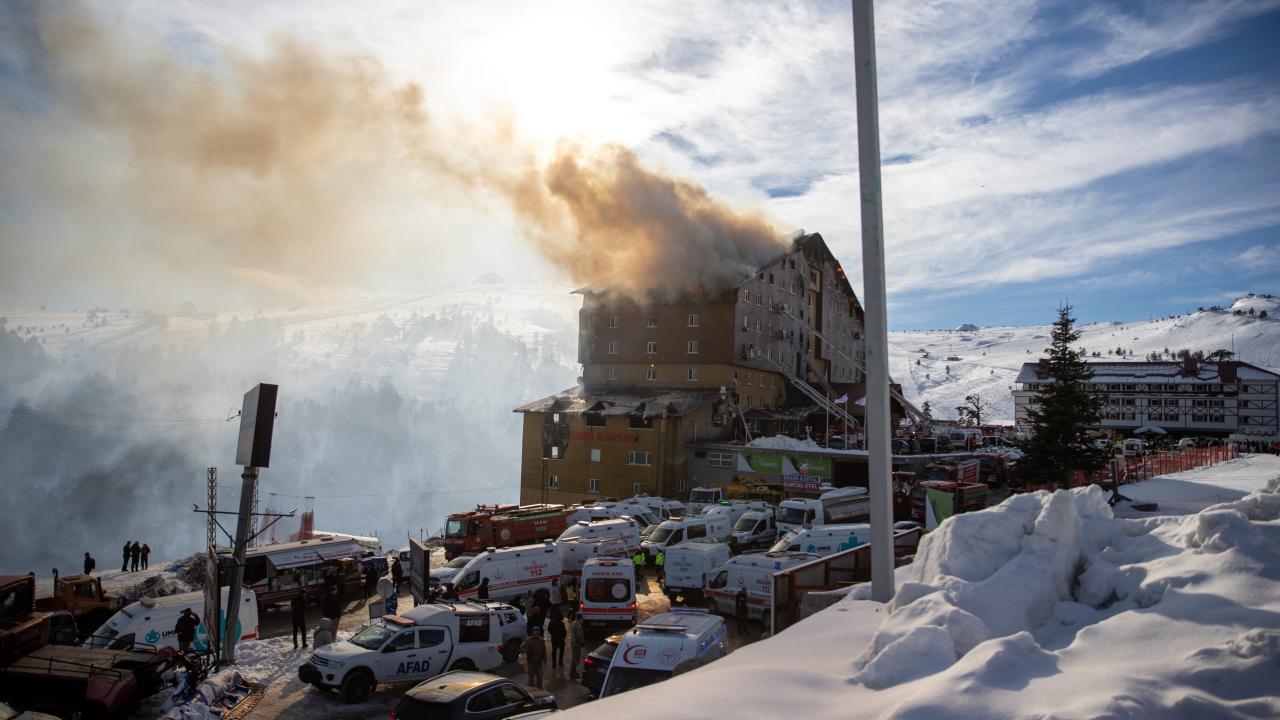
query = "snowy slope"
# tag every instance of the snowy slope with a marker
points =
(1044, 606)
(991, 357)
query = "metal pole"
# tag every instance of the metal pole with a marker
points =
(248, 491)
(873, 288)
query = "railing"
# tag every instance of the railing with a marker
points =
(842, 569)
(1154, 464)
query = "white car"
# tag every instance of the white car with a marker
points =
(424, 642)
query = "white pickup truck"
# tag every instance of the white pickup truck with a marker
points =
(418, 645)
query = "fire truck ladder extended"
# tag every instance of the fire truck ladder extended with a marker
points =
(912, 410)
(819, 397)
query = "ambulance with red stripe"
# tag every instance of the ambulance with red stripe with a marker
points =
(753, 571)
(512, 572)
(608, 591)
(666, 644)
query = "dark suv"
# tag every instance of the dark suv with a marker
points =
(596, 664)
(465, 694)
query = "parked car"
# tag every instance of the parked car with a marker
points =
(596, 664)
(471, 695)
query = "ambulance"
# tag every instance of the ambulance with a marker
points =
(734, 509)
(152, 621)
(608, 592)
(625, 529)
(678, 529)
(688, 565)
(824, 540)
(574, 552)
(512, 572)
(664, 645)
(754, 571)
(417, 645)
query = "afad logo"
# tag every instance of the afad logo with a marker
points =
(201, 643)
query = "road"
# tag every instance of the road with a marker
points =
(287, 698)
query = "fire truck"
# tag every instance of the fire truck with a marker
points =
(500, 526)
(961, 471)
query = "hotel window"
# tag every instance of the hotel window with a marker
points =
(613, 321)
(693, 347)
(552, 481)
(693, 319)
(593, 485)
(651, 322)
(635, 457)
(651, 348)
(758, 326)
(611, 374)
(611, 347)
(721, 459)
(746, 323)
(651, 374)
(750, 378)
(595, 454)
(746, 295)
(693, 375)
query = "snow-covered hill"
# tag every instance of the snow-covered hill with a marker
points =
(989, 358)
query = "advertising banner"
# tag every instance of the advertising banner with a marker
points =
(798, 467)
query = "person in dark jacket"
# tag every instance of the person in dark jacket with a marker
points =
(331, 606)
(397, 573)
(135, 555)
(146, 552)
(542, 601)
(740, 610)
(556, 630)
(89, 564)
(534, 619)
(128, 551)
(185, 629)
(298, 615)
(482, 592)
(370, 581)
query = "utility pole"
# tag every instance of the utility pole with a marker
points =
(873, 288)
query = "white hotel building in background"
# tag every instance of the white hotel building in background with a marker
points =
(1229, 399)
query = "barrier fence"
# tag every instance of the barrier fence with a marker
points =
(1131, 469)
(833, 572)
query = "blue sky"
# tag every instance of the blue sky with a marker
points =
(1124, 156)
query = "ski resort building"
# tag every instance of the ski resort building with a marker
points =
(1207, 399)
(658, 375)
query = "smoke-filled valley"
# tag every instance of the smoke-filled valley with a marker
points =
(392, 411)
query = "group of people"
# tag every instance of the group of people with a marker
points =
(135, 556)
(330, 609)
(543, 609)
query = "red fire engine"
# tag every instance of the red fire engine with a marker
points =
(502, 526)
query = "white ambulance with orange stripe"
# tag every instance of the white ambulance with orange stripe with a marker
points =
(608, 591)
(512, 572)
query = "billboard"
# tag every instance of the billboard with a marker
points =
(794, 466)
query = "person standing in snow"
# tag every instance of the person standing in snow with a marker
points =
(298, 616)
(397, 573)
(135, 555)
(89, 564)
(185, 629)
(577, 638)
(128, 550)
(146, 552)
(331, 606)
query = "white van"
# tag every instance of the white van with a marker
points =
(834, 506)
(734, 509)
(756, 528)
(625, 529)
(575, 552)
(678, 529)
(689, 564)
(152, 620)
(753, 571)
(662, 508)
(1135, 447)
(418, 645)
(700, 497)
(512, 571)
(824, 540)
(608, 591)
(653, 650)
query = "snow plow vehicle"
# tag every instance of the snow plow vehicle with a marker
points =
(500, 526)
(82, 596)
(62, 678)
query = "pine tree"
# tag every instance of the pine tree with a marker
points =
(1063, 412)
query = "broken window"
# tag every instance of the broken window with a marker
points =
(594, 419)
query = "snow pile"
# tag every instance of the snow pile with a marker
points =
(1045, 606)
(782, 442)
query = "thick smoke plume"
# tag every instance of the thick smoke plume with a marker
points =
(296, 168)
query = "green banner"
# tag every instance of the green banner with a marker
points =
(785, 464)
(941, 502)
(763, 462)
